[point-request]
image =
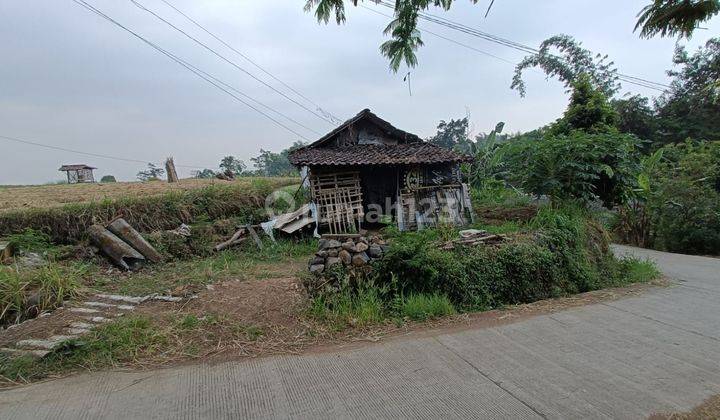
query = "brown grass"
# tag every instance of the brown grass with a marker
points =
(46, 196)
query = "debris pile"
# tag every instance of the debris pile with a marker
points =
(348, 251)
(473, 237)
(123, 245)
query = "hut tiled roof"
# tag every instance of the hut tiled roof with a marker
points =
(75, 167)
(372, 154)
(411, 149)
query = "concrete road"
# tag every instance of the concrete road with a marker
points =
(622, 359)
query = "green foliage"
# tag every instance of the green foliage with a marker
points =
(691, 107)
(420, 307)
(123, 341)
(572, 62)
(232, 165)
(567, 254)
(588, 111)
(31, 240)
(639, 271)
(676, 206)
(28, 292)
(151, 173)
(636, 116)
(360, 307)
(276, 164)
(108, 179)
(669, 18)
(577, 166)
(451, 134)
(403, 28)
(203, 174)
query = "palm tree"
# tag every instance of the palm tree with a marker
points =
(675, 17)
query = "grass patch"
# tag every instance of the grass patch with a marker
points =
(362, 308)
(244, 263)
(123, 341)
(638, 270)
(419, 306)
(26, 293)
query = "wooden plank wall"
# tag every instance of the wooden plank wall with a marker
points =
(338, 197)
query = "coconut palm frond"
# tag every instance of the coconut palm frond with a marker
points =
(675, 17)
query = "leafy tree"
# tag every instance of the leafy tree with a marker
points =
(108, 179)
(451, 134)
(636, 116)
(232, 164)
(577, 166)
(275, 164)
(691, 108)
(204, 174)
(403, 29)
(573, 60)
(151, 173)
(675, 17)
(589, 110)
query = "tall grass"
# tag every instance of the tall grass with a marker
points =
(25, 293)
(420, 307)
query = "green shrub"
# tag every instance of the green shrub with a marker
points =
(420, 307)
(108, 179)
(565, 254)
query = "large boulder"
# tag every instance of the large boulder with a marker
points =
(345, 257)
(317, 268)
(359, 260)
(361, 247)
(375, 251)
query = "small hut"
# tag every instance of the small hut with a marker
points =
(367, 172)
(78, 174)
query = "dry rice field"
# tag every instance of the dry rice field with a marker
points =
(44, 196)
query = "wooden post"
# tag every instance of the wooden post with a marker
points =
(170, 170)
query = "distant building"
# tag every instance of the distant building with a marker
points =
(78, 174)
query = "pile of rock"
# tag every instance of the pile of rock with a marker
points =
(351, 251)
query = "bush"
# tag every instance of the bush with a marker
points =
(565, 254)
(108, 179)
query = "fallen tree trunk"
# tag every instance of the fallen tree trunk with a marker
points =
(127, 233)
(237, 238)
(115, 248)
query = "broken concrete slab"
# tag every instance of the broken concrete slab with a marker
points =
(84, 310)
(123, 298)
(78, 324)
(47, 344)
(99, 304)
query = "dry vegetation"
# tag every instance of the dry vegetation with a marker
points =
(46, 196)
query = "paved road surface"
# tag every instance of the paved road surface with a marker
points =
(623, 359)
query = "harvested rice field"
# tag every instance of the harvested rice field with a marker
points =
(47, 196)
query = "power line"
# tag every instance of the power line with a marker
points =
(517, 46)
(203, 75)
(227, 60)
(80, 152)
(258, 66)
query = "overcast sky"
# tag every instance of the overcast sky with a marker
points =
(73, 80)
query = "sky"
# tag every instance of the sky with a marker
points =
(71, 79)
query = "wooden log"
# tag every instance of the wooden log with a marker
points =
(119, 252)
(255, 236)
(122, 229)
(236, 239)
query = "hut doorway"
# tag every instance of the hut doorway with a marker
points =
(379, 186)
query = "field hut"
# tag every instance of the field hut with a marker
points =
(78, 174)
(366, 172)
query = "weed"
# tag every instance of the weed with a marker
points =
(122, 341)
(639, 271)
(420, 307)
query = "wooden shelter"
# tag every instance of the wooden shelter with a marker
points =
(78, 174)
(366, 171)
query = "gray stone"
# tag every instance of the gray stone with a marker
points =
(317, 268)
(332, 243)
(345, 257)
(21, 352)
(363, 240)
(99, 304)
(48, 344)
(323, 243)
(349, 246)
(384, 248)
(333, 252)
(361, 247)
(322, 253)
(317, 260)
(77, 331)
(358, 260)
(84, 310)
(331, 261)
(78, 324)
(375, 251)
(121, 298)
